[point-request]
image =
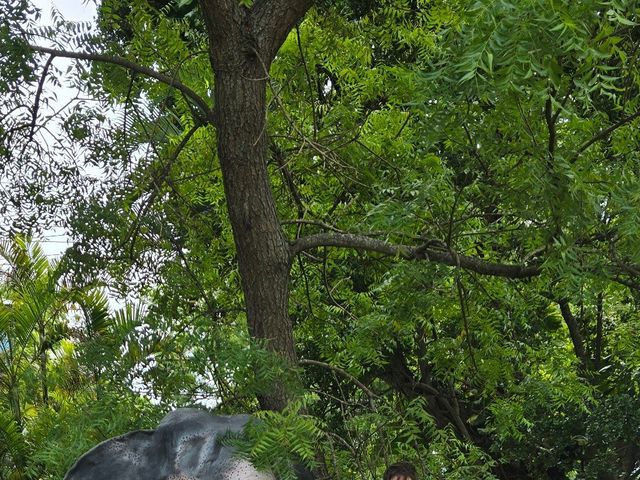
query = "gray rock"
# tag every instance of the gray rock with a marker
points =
(185, 446)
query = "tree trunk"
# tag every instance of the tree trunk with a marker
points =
(263, 252)
(242, 47)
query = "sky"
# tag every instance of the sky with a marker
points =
(75, 10)
(54, 241)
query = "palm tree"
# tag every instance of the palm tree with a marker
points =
(49, 365)
(33, 304)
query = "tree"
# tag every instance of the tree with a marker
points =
(33, 307)
(248, 38)
(467, 149)
(57, 383)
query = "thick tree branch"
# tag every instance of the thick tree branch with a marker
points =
(225, 20)
(273, 20)
(452, 410)
(237, 33)
(574, 331)
(423, 252)
(129, 65)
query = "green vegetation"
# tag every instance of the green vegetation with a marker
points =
(395, 229)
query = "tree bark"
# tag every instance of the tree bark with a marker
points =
(263, 252)
(243, 42)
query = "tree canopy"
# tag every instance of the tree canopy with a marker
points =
(399, 229)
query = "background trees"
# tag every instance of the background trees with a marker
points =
(430, 212)
(60, 350)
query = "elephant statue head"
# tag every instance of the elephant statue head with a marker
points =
(185, 446)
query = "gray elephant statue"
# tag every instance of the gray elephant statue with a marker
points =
(185, 446)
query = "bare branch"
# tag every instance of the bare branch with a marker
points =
(154, 185)
(288, 178)
(309, 84)
(317, 223)
(36, 102)
(422, 252)
(342, 372)
(602, 134)
(206, 111)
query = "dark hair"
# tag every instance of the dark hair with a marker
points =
(401, 468)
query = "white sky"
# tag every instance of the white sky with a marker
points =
(75, 10)
(54, 242)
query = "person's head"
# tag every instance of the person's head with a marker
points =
(400, 471)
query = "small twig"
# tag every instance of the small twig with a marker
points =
(317, 223)
(344, 373)
(309, 84)
(36, 103)
(290, 121)
(404, 124)
(213, 312)
(306, 284)
(564, 102)
(155, 185)
(551, 127)
(526, 123)
(288, 178)
(602, 134)
(465, 321)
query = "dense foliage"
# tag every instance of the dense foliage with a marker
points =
(62, 358)
(458, 185)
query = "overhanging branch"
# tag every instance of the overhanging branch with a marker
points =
(206, 111)
(422, 252)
